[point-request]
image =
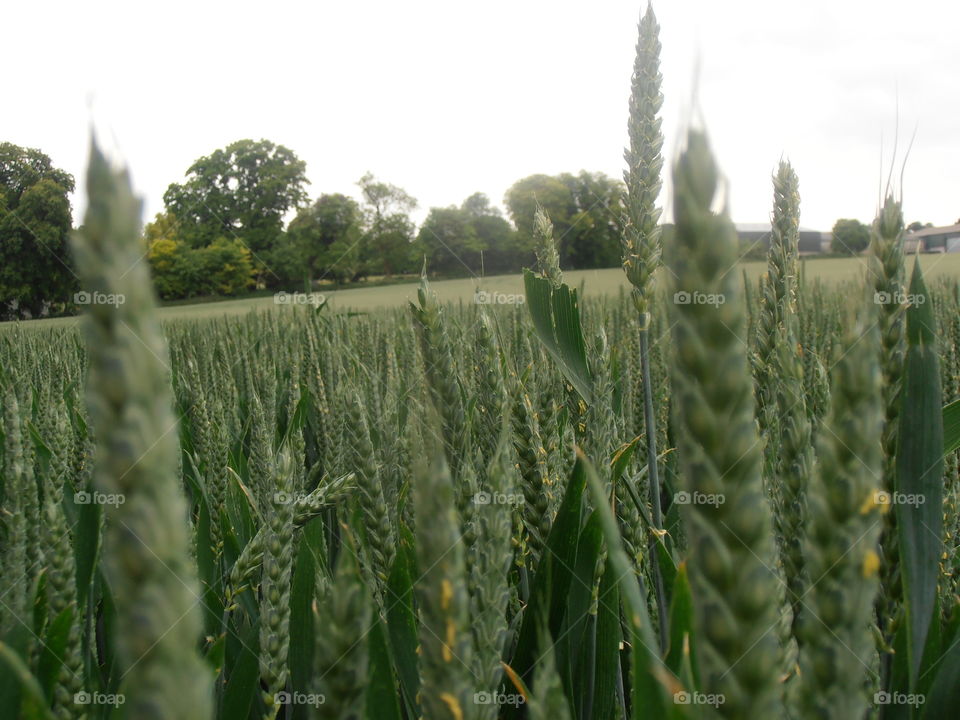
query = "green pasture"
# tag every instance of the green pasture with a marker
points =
(608, 281)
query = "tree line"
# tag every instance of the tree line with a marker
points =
(224, 229)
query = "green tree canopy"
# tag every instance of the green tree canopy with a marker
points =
(850, 237)
(498, 239)
(327, 236)
(585, 210)
(479, 205)
(448, 240)
(179, 271)
(35, 221)
(386, 245)
(521, 201)
(452, 239)
(383, 199)
(162, 227)
(22, 168)
(241, 192)
(596, 224)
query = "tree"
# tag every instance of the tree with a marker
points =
(22, 168)
(327, 235)
(478, 205)
(521, 201)
(850, 237)
(448, 240)
(170, 258)
(471, 239)
(917, 225)
(283, 267)
(497, 239)
(387, 247)
(241, 192)
(35, 221)
(162, 227)
(585, 210)
(387, 241)
(384, 199)
(596, 224)
(222, 268)
(170, 268)
(225, 267)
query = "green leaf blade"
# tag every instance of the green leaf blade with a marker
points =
(919, 472)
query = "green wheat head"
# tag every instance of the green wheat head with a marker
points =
(887, 271)
(730, 543)
(146, 548)
(445, 637)
(545, 247)
(779, 288)
(641, 236)
(841, 547)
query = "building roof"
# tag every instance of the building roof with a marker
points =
(926, 232)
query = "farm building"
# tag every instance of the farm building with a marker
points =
(811, 241)
(934, 239)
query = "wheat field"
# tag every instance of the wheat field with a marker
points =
(690, 489)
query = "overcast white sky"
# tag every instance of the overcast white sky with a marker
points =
(447, 98)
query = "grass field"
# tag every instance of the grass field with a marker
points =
(595, 282)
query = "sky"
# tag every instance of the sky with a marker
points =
(447, 98)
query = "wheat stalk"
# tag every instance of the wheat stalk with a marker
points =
(545, 247)
(344, 614)
(887, 270)
(379, 536)
(731, 553)
(445, 637)
(641, 248)
(841, 546)
(442, 378)
(145, 550)
(278, 554)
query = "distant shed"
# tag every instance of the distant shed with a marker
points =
(934, 239)
(750, 234)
